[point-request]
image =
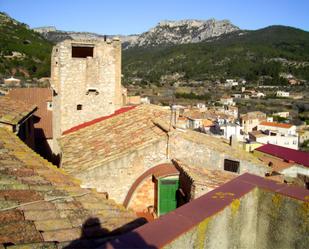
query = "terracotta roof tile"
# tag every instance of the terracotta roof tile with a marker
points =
(211, 178)
(12, 111)
(274, 124)
(38, 97)
(40, 202)
(111, 137)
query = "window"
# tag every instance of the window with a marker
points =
(49, 105)
(92, 91)
(230, 165)
(79, 107)
(82, 51)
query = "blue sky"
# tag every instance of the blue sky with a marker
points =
(137, 16)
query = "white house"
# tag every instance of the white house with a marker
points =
(282, 94)
(278, 128)
(284, 135)
(225, 100)
(231, 129)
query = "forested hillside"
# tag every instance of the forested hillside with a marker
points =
(23, 52)
(254, 55)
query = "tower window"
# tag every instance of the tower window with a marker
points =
(79, 107)
(82, 52)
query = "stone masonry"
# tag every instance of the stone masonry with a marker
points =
(86, 79)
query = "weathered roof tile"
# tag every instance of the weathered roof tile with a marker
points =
(40, 202)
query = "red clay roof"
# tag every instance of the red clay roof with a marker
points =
(38, 97)
(86, 124)
(274, 124)
(14, 111)
(297, 156)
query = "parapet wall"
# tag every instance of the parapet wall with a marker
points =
(247, 212)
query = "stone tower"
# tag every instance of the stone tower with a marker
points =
(86, 79)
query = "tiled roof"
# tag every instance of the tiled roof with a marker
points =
(89, 123)
(253, 115)
(287, 154)
(38, 97)
(112, 137)
(12, 111)
(40, 203)
(211, 178)
(274, 124)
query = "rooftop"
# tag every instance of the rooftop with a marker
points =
(111, 137)
(253, 115)
(246, 212)
(38, 97)
(12, 112)
(290, 155)
(211, 178)
(40, 203)
(274, 124)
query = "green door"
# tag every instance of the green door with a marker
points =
(167, 195)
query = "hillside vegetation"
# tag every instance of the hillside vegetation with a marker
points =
(23, 52)
(253, 55)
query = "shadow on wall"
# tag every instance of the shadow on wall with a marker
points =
(43, 148)
(95, 236)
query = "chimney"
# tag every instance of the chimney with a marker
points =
(233, 141)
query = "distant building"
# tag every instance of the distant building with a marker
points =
(17, 117)
(282, 94)
(286, 161)
(250, 120)
(281, 114)
(12, 81)
(278, 128)
(269, 137)
(226, 100)
(43, 131)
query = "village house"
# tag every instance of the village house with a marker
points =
(251, 120)
(276, 133)
(17, 117)
(227, 100)
(43, 133)
(131, 147)
(286, 162)
(282, 94)
(12, 82)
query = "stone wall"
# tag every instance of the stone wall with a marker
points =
(117, 176)
(260, 220)
(283, 222)
(144, 196)
(202, 154)
(92, 82)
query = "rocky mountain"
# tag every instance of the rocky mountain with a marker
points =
(259, 56)
(181, 32)
(166, 32)
(51, 34)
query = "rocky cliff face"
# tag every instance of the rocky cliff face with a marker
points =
(184, 31)
(166, 32)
